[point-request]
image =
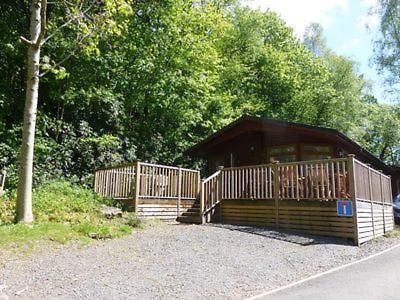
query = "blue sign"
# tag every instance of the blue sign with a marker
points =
(344, 208)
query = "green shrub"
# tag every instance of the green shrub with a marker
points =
(63, 212)
(7, 208)
(102, 231)
(60, 201)
(133, 221)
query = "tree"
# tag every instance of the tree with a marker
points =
(387, 47)
(379, 131)
(314, 39)
(149, 84)
(88, 17)
(37, 31)
(347, 88)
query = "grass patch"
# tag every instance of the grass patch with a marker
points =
(63, 213)
(395, 233)
(20, 233)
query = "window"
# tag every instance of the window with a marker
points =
(285, 153)
(316, 152)
(281, 150)
(314, 148)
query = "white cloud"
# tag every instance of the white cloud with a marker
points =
(369, 3)
(299, 14)
(369, 21)
(370, 18)
(348, 48)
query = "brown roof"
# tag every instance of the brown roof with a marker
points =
(265, 124)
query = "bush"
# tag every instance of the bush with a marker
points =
(60, 201)
(133, 221)
(63, 211)
(7, 208)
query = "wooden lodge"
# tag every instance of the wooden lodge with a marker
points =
(254, 141)
(270, 173)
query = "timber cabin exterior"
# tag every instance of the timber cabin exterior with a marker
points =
(274, 173)
(256, 141)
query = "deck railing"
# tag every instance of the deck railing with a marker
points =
(323, 179)
(165, 182)
(371, 185)
(115, 182)
(147, 181)
(2, 181)
(328, 179)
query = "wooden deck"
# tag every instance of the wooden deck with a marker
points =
(299, 196)
(151, 190)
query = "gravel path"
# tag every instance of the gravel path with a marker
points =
(179, 261)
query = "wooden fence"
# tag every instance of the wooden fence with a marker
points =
(150, 189)
(302, 196)
(298, 196)
(116, 182)
(2, 181)
(323, 179)
(373, 196)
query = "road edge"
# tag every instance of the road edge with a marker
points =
(292, 284)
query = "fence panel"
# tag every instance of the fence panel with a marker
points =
(115, 182)
(325, 179)
(254, 182)
(165, 182)
(155, 182)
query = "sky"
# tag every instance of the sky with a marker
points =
(349, 28)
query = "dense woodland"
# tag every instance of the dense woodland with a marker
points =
(166, 74)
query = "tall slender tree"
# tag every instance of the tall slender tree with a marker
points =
(37, 31)
(87, 18)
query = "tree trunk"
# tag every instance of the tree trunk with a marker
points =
(24, 197)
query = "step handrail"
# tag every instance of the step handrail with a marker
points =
(209, 199)
(212, 176)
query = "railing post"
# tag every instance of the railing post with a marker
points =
(391, 198)
(353, 189)
(275, 172)
(202, 216)
(2, 181)
(383, 201)
(370, 200)
(220, 193)
(94, 181)
(179, 191)
(137, 186)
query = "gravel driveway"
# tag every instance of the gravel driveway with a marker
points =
(179, 261)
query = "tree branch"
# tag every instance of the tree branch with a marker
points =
(78, 45)
(56, 31)
(25, 40)
(43, 11)
(64, 25)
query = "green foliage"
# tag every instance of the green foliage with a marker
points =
(379, 131)
(387, 47)
(159, 76)
(7, 208)
(101, 231)
(63, 212)
(23, 234)
(62, 202)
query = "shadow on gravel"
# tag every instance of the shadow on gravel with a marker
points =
(282, 235)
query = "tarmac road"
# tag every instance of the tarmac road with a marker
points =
(375, 278)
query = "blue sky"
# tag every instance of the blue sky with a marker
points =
(349, 29)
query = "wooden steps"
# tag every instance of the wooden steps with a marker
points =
(191, 215)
